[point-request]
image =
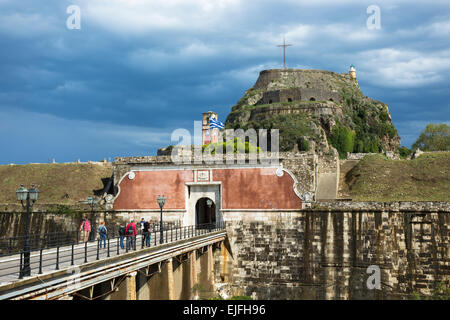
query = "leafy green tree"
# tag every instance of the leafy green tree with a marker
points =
(404, 152)
(435, 137)
(343, 139)
(303, 144)
(237, 145)
(291, 128)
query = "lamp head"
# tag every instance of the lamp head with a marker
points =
(34, 192)
(22, 193)
(161, 201)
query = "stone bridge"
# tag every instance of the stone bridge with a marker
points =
(181, 268)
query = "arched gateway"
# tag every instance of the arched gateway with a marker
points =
(205, 211)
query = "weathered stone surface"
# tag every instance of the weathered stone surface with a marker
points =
(324, 252)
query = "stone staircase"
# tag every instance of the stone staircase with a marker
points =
(327, 186)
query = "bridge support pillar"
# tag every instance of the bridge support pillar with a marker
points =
(193, 268)
(131, 286)
(143, 288)
(161, 283)
(211, 267)
(226, 263)
(170, 279)
(207, 273)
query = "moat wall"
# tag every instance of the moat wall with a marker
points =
(48, 219)
(324, 252)
(318, 253)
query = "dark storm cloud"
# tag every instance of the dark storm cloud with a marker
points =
(137, 70)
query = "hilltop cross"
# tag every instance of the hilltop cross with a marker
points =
(284, 45)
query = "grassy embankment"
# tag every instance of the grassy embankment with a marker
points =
(58, 183)
(376, 178)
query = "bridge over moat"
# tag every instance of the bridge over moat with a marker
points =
(182, 267)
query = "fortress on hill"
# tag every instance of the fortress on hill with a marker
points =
(287, 236)
(306, 106)
(313, 107)
(305, 85)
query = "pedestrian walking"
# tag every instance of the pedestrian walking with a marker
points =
(142, 225)
(122, 235)
(103, 232)
(86, 228)
(146, 233)
(131, 233)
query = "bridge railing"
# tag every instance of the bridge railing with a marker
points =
(14, 245)
(36, 261)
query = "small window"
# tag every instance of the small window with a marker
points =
(270, 101)
(312, 99)
(289, 99)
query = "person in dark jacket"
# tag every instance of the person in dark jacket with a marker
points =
(122, 235)
(146, 233)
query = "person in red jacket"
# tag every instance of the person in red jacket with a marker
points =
(131, 232)
(86, 228)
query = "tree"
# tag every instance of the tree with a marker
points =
(435, 137)
(404, 152)
(237, 145)
(343, 139)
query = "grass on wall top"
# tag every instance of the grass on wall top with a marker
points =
(376, 178)
(57, 183)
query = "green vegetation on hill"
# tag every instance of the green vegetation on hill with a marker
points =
(376, 178)
(57, 183)
(367, 121)
(435, 137)
(237, 145)
(292, 129)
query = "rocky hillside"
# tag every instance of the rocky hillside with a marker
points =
(315, 108)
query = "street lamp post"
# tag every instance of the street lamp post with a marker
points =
(92, 201)
(24, 195)
(161, 202)
(209, 204)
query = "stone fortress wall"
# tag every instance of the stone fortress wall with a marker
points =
(299, 94)
(299, 85)
(325, 252)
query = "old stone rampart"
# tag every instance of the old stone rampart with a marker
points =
(325, 252)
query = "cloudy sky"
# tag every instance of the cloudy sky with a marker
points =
(136, 70)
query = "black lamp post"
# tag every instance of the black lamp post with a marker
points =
(24, 195)
(209, 204)
(161, 202)
(92, 201)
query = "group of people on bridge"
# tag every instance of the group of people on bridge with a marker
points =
(130, 231)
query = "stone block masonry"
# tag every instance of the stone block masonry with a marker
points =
(325, 252)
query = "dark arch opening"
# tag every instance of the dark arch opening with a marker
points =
(312, 99)
(205, 214)
(331, 99)
(289, 99)
(270, 101)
